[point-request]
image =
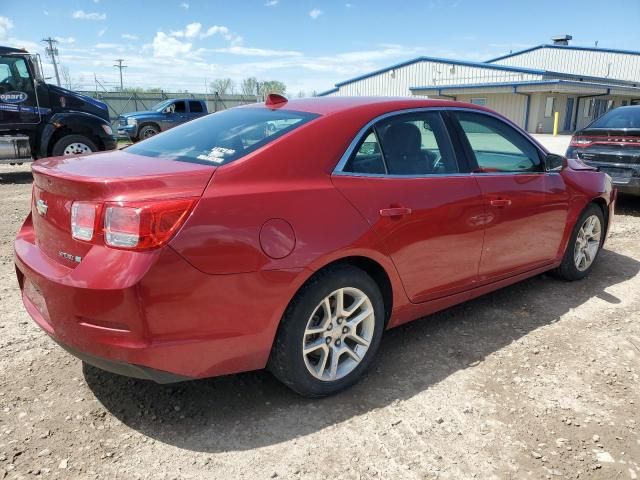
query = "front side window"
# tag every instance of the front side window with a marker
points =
(497, 146)
(179, 107)
(222, 137)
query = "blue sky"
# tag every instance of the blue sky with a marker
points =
(308, 44)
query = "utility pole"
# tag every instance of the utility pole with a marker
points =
(52, 51)
(119, 66)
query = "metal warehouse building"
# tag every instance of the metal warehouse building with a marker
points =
(528, 86)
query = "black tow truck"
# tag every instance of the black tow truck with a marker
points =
(40, 120)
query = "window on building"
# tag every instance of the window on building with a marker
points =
(588, 107)
(479, 101)
(548, 107)
(497, 146)
(624, 103)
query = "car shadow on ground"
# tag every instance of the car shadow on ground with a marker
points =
(241, 412)
(21, 176)
(628, 205)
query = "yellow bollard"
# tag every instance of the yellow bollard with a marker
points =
(556, 121)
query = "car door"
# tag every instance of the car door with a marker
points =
(527, 205)
(18, 97)
(403, 175)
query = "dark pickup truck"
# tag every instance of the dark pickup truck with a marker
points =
(163, 116)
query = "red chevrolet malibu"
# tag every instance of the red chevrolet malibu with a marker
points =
(290, 235)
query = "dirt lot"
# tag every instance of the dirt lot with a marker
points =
(540, 380)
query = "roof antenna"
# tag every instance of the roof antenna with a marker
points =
(275, 99)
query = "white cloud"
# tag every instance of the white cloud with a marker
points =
(104, 46)
(315, 13)
(45, 13)
(67, 40)
(271, 3)
(82, 15)
(348, 5)
(128, 36)
(167, 46)
(184, 5)
(190, 31)
(5, 26)
(102, 32)
(258, 52)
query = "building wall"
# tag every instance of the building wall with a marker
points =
(507, 104)
(618, 66)
(396, 82)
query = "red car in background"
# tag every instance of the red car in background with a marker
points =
(290, 235)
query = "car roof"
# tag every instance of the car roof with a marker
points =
(331, 105)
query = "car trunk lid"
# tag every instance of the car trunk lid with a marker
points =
(104, 177)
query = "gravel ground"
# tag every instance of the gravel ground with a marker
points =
(539, 380)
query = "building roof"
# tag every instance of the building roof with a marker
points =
(564, 47)
(442, 60)
(560, 82)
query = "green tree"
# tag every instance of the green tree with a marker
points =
(272, 86)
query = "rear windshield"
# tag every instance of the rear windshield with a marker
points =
(222, 137)
(622, 117)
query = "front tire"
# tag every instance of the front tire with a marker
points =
(329, 333)
(147, 131)
(70, 145)
(584, 245)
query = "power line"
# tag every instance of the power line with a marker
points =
(52, 51)
(119, 66)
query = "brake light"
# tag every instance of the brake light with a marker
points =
(144, 225)
(578, 141)
(83, 220)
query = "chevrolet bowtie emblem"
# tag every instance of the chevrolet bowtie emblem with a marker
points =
(42, 207)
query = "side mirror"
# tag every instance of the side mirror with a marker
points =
(555, 162)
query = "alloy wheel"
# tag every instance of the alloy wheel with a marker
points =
(338, 334)
(587, 243)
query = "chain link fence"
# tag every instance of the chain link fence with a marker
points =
(124, 102)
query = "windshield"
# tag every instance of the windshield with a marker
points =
(222, 137)
(158, 107)
(622, 117)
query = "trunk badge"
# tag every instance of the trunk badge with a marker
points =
(42, 207)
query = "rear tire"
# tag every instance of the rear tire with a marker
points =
(322, 348)
(584, 245)
(73, 145)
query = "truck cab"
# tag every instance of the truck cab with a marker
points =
(162, 116)
(39, 120)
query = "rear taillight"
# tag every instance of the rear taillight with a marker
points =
(578, 141)
(144, 225)
(83, 220)
(130, 225)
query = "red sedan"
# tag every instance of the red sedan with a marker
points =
(290, 235)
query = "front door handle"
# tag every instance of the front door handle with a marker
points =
(500, 202)
(395, 212)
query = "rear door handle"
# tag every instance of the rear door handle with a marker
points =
(500, 202)
(395, 212)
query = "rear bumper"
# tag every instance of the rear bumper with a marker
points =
(624, 176)
(153, 315)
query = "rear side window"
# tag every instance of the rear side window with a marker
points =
(222, 137)
(619, 118)
(409, 144)
(497, 146)
(195, 107)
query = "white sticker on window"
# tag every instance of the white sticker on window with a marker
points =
(217, 154)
